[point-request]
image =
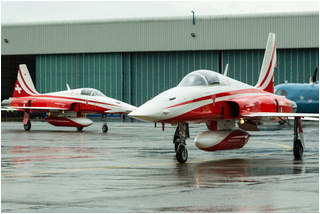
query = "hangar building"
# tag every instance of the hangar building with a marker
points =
(135, 59)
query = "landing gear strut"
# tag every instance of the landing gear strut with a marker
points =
(179, 141)
(26, 121)
(105, 126)
(298, 144)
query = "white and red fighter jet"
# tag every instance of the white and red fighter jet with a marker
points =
(65, 108)
(220, 102)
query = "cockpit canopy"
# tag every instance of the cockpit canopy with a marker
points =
(200, 78)
(91, 92)
(281, 92)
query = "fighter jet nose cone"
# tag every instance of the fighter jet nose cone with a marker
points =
(146, 112)
(135, 113)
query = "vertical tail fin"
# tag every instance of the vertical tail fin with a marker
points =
(24, 85)
(266, 78)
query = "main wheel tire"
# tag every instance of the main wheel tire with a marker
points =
(176, 142)
(79, 128)
(176, 139)
(182, 153)
(297, 149)
(105, 128)
(27, 126)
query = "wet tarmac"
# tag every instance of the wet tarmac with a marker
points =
(132, 168)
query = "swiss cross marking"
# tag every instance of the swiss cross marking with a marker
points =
(17, 88)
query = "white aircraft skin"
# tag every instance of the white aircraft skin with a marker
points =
(66, 108)
(181, 100)
(205, 96)
(101, 100)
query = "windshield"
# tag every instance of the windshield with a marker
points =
(91, 92)
(200, 78)
(282, 92)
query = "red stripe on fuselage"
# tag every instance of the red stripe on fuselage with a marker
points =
(223, 94)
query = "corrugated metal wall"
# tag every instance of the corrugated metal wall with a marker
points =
(137, 77)
(100, 71)
(219, 32)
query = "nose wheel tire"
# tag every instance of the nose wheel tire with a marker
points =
(297, 149)
(79, 128)
(182, 153)
(105, 128)
(27, 126)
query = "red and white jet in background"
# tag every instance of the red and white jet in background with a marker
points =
(205, 96)
(65, 108)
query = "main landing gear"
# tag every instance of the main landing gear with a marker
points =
(79, 128)
(179, 141)
(298, 144)
(27, 126)
(26, 121)
(104, 126)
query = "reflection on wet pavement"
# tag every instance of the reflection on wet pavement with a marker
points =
(133, 169)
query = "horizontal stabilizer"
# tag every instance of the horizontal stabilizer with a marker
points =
(4, 108)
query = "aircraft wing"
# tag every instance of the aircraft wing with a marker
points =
(308, 118)
(117, 111)
(305, 116)
(18, 108)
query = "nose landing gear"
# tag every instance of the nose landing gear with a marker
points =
(105, 126)
(179, 141)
